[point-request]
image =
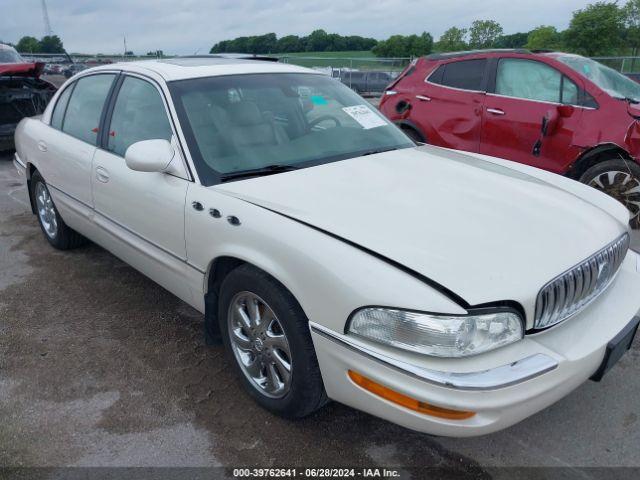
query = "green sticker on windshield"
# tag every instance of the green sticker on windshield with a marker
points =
(318, 100)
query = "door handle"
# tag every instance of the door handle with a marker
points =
(495, 111)
(42, 146)
(102, 175)
(422, 98)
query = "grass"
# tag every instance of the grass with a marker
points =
(347, 54)
(358, 60)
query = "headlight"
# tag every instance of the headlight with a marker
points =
(438, 335)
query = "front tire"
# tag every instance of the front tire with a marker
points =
(57, 233)
(267, 337)
(619, 179)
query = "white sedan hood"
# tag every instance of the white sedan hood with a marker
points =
(482, 230)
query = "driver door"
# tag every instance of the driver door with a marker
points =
(141, 213)
(525, 91)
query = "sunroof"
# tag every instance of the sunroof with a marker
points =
(199, 62)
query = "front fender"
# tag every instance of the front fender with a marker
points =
(329, 278)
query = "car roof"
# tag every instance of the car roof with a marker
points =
(4, 46)
(448, 55)
(182, 68)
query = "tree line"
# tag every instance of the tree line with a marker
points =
(317, 41)
(601, 28)
(47, 44)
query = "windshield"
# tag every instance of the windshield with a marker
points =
(237, 123)
(609, 80)
(9, 55)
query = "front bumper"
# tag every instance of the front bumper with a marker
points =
(20, 166)
(503, 386)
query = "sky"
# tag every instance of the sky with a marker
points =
(190, 26)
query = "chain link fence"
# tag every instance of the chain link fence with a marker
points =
(366, 75)
(621, 64)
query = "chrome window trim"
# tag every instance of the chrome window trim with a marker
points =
(452, 88)
(491, 379)
(539, 101)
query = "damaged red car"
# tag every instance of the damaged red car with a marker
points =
(22, 92)
(564, 113)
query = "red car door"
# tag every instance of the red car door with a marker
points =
(522, 93)
(448, 104)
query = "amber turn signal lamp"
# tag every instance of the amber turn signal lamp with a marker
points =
(407, 402)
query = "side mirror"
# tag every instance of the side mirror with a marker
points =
(565, 111)
(149, 156)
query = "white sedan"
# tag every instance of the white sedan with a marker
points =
(448, 292)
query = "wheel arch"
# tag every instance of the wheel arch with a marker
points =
(217, 271)
(409, 125)
(30, 170)
(595, 155)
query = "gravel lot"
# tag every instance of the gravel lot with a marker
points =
(99, 366)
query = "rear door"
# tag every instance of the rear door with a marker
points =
(67, 147)
(522, 92)
(448, 104)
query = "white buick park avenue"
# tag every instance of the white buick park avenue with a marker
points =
(451, 293)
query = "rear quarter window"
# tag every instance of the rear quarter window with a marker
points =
(60, 108)
(464, 74)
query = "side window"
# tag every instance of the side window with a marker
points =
(570, 92)
(465, 74)
(138, 114)
(529, 79)
(60, 107)
(588, 100)
(85, 107)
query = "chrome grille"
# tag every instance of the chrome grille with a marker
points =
(570, 292)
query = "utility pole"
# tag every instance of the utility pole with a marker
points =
(45, 18)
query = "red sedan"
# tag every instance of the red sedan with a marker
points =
(564, 113)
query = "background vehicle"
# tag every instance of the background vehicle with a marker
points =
(22, 92)
(74, 68)
(365, 82)
(563, 113)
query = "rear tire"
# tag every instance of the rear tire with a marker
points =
(252, 348)
(57, 233)
(619, 179)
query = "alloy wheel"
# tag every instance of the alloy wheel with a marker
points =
(259, 344)
(46, 210)
(622, 186)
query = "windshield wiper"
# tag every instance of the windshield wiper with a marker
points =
(258, 172)
(380, 150)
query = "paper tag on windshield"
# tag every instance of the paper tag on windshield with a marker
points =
(364, 116)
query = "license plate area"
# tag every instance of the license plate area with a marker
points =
(616, 348)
